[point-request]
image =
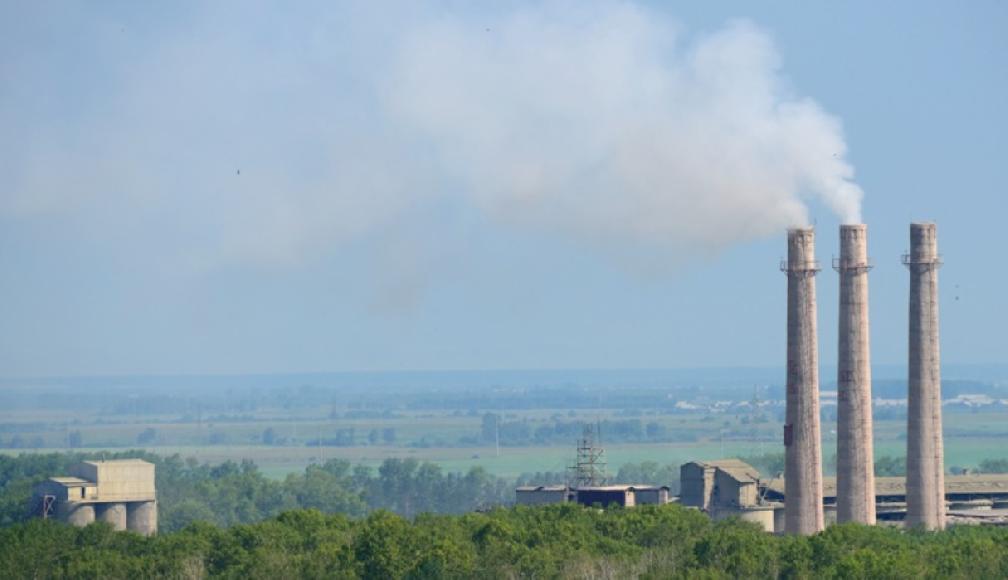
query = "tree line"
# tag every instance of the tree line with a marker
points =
(233, 493)
(239, 493)
(559, 541)
(523, 432)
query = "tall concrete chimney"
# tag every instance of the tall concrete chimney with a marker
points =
(925, 484)
(855, 457)
(803, 509)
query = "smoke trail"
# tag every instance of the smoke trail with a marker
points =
(592, 119)
(605, 125)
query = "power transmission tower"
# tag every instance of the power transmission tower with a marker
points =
(590, 467)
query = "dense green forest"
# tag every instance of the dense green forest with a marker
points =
(411, 520)
(561, 541)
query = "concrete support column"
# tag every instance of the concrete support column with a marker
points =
(855, 450)
(925, 486)
(113, 513)
(78, 515)
(141, 517)
(803, 445)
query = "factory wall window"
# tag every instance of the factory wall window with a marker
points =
(82, 492)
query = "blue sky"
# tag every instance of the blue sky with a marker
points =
(443, 186)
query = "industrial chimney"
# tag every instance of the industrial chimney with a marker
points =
(855, 457)
(925, 484)
(803, 509)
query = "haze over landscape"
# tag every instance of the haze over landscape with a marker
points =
(207, 189)
(513, 290)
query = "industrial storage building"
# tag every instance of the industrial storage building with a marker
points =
(727, 488)
(718, 485)
(608, 495)
(972, 493)
(604, 495)
(651, 495)
(543, 494)
(120, 492)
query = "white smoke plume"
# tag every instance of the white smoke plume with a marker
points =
(608, 126)
(598, 120)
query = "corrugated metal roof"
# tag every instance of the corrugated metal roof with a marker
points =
(736, 468)
(616, 487)
(954, 484)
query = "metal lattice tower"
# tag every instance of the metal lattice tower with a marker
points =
(590, 467)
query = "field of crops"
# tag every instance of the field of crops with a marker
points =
(451, 438)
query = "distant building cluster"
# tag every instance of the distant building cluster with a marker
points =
(733, 488)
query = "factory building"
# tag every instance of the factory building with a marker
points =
(651, 495)
(731, 488)
(604, 495)
(588, 484)
(728, 488)
(544, 494)
(120, 492)
(608, 495)
(718, 485)
(856, 487)
(973, 498)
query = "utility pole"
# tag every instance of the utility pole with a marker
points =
(321, 457)
(199, 423)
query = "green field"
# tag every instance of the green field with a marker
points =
(970, 438)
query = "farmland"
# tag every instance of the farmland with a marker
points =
(506, 429)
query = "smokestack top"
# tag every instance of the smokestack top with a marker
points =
(852, 233)
(923, 242)
(801, 250)
(800, 229)
(853, 249)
